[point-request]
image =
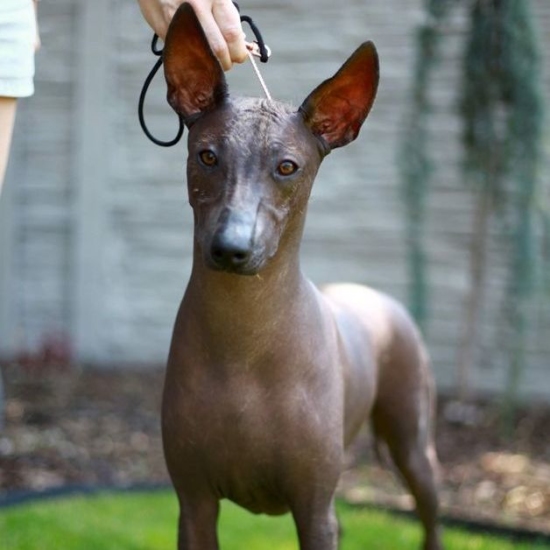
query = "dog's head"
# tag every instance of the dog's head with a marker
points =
(252, 162)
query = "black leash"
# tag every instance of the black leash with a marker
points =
(158, 52)
(263, 55)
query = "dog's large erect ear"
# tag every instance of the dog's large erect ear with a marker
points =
(195, 78)
(337, 108)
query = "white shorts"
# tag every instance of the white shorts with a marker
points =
(17, 40)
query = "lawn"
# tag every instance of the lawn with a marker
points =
(147, 521)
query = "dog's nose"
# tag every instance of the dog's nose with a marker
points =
(230, 252)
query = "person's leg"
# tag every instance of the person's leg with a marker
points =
(7, 118)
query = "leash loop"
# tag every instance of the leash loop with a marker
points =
(158, 63)
(154, 49)
(260, 49)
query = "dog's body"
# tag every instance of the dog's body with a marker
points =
(269, 379)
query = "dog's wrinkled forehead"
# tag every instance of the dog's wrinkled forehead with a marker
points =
(249, 121)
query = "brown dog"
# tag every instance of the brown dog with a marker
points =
(269, 379)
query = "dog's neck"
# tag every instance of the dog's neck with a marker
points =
(242, 316)
(266, 292)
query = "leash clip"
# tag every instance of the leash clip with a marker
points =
(258, 48)
(254, 49)
(263, 51)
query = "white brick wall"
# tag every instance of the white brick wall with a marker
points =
(100, 229)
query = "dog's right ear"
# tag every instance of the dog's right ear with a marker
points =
(195, 78)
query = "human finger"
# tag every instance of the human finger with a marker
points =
(215, 38)
(229, 22)
(159, 13)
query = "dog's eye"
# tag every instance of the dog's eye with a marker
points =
(208, 158)
(287, 168)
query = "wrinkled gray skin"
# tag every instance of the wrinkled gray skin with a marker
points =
(268, 378)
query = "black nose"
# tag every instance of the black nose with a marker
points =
(230, 252)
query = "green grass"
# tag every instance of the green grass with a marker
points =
(147, 521)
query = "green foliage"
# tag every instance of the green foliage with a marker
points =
(148, 522)
(414, 160)
(502, 108)
(502, 111)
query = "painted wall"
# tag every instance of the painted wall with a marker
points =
(95, 230)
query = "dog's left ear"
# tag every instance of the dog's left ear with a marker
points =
(337, 108)
(195, 78)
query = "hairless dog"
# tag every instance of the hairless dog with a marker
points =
(268, 378)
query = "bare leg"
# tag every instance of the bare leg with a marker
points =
(417, 472)
(317, 530)
(413, 454)
(197, 525)
(7, 119)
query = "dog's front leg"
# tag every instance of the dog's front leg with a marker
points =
(317, 526)
(197, 524)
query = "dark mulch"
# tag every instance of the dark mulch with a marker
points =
(99, 427)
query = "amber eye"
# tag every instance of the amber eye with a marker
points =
(208, 158)
(287, 168)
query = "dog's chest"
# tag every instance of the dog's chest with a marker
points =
(244, 437)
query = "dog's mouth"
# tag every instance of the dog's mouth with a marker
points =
(247, 272)
(239, 248)
(237, 265)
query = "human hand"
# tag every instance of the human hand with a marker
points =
(219, 19)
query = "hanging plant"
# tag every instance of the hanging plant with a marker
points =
(502, 112)
(502, 109)
(414, 160)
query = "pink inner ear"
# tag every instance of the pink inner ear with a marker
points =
(337, 108)
(194, 76)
